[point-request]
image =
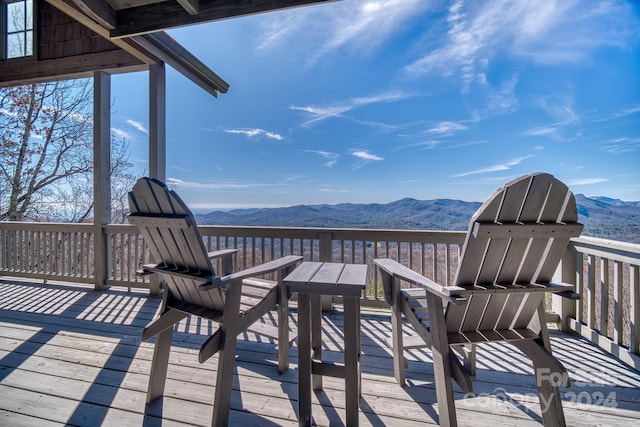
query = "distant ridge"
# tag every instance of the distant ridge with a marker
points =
(602, 216)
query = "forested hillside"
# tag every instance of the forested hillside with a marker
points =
(602, 217)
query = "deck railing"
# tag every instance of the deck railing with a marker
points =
(432, 253)
(606, 273)
(48, 251)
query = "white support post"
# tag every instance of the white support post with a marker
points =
(157, 122)
(157, 137)
(101, 175)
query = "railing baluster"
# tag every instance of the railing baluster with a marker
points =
(618, 302)
(591, 291)
(604, 297)
(580, 314)
(634, 309)
(20, 257)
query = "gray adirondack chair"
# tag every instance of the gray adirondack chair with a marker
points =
(235, 300)
(514, 244)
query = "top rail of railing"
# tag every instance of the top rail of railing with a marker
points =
(611, 249)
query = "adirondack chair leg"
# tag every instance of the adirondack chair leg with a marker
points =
(460, 374)
(542, 325)
(470, 361)
(442, 370)
(468, 353)
(159, 364)
(227, 337)
(224, 378)
(549, 373)
(210, 346)
(166, 320)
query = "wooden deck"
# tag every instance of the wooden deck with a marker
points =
(72, 356)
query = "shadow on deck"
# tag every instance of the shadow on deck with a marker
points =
(72, 356)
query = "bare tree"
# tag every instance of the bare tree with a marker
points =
(79, 199)
(46, 158)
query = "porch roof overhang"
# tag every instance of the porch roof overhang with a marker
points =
(137, 28)
(151, 48)
(125, 18)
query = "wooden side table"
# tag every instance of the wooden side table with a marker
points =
(311, 280)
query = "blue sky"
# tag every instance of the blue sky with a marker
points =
(373, 101)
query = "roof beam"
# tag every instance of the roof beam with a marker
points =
(191, 6)
(169, 14)
(173, 53)
(73, 67)
(100, 11)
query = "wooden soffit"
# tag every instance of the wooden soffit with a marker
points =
(124, 18)
(149, 48)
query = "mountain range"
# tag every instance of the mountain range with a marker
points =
(602, 216)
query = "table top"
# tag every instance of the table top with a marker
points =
(328, 278)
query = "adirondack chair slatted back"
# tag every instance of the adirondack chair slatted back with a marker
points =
(507, 258)
(173, 238)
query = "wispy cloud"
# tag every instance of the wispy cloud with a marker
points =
(220, 185)
(621, 114)
(559, 107)
(495, 168)
(549, 130)
(629, 111)
(120, 133)
(542, 32)
(318, 113)
(181, 169)
(499, 98)
(441, 144)
(446, 128)
(333, 190)
(465, 144)
(357, 26)
(256, 133)
(621, 145)
(332, 158)
(559, 131)
(366, 155)
(585, 181)
(428, 144)
(139, 126)
(561, 110)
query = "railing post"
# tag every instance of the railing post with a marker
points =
(565, 307)
(326, 255)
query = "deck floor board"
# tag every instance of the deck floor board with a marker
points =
(73, 356)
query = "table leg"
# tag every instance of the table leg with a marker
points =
(304, 360)
(316, 337)
(351, 358)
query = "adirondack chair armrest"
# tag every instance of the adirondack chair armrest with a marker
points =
(399, 271)
(226, 259)
(221, 253)
(262, 269)
(572, 295)
(143, 272)
(208, 281)
(565, 290)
